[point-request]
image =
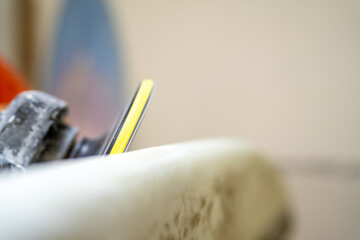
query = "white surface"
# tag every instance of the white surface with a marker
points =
(213, 189)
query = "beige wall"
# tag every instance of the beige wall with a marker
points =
(9, 34)
(283, 74)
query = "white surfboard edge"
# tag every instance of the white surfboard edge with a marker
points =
(206, 189)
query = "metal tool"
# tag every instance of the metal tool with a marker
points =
(32, 130)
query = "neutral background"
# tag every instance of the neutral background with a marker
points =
(283, 75)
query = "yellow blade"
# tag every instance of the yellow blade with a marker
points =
(133, 116)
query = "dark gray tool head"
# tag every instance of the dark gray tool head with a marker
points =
(31, 130)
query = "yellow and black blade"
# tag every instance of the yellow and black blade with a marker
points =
(123, 133)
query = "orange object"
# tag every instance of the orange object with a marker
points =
(11, 84)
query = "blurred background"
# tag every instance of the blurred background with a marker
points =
(283, 75)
